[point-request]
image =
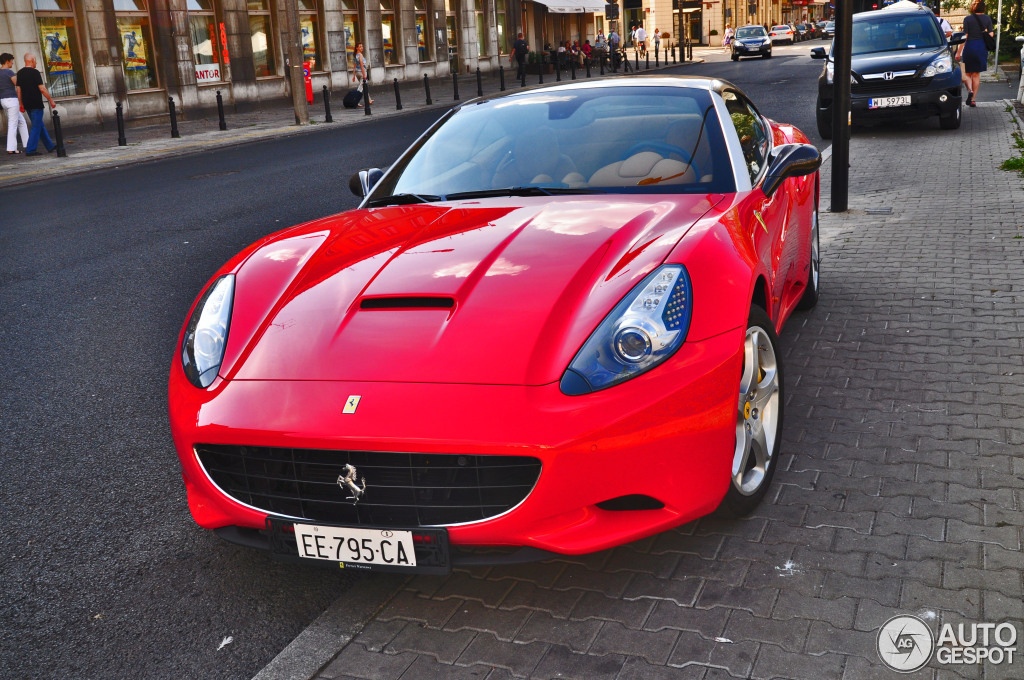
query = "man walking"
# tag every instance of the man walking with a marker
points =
(30, 95)
(520, 49)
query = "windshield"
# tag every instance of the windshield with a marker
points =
(642, 139)
(900, 32)
(780, 28)
(751, 32)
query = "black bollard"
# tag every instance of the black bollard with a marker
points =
(479, 83)
(501, 76)
(455, 86)
(426, 88)
(174, 118)
(647, 61)
(601, 59)
(121, 141)
(398, 97)
(636, 61)
(327, 106)
(558, 73)
(587, 62)
(657, 61)
(522, 76)
(59, 134)
(220, 111)
(366, 97)
(572, 66)
(541, 80)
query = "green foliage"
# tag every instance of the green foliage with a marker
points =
(714, 31)
(1013, 165)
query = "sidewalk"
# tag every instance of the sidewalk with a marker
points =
(900, 489)
(93, 150)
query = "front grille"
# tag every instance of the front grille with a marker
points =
(402, 489)
(905, 84)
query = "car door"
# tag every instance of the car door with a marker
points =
(767, 216)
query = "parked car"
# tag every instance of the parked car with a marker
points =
(551, 324)
(808, 31)
(829, 31)
(751, 41)
(902, 69)
(782, 33)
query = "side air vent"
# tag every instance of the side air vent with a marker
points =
(408, 302)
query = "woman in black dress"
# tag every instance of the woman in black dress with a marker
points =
(973, 52)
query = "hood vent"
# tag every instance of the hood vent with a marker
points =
(408, 302)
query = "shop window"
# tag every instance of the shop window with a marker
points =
(389, 30)
(209, 51)
(62, 61)
(133, 26)
(309, 26)
(351, 18)
(423, 38)
(481, 28)
(260, 27)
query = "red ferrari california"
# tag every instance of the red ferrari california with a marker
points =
(550, 326)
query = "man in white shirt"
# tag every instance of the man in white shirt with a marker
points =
(640, 41)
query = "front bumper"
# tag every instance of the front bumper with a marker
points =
(752, 51)
(937, 101)
(667, 434)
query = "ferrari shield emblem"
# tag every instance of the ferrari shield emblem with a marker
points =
(352, 403)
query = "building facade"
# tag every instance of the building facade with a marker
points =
(96, 53)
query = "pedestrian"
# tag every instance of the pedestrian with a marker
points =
(361, 74)
(520, 48)
(601, 45)
(588, 51)
(613, 41)
(9, 100)
(31, 90)
(973, 53)
(657, 40)
(944, 26)
(641, 40)
(727, 39)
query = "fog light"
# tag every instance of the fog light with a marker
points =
(943, 98)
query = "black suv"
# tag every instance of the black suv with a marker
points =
(903, 69)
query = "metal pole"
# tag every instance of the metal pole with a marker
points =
(455, 86)
(426, 87)
(636, 61)
(501, 76)
(558, 71)
(841, 106)
(327, 106)
(59, 134)
(647, 61)
(522, 77)
(999, 33)
(479, 83)
(220, 111)
(572, 66)
(657, 60)
(121, 141)
(174, 118)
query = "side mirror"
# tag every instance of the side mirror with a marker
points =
(361, 182)
(957, 38)
(790, 160)
(818, 53)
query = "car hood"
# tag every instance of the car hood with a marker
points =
(472, 292)
(899, 60)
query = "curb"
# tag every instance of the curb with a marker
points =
(328, 635)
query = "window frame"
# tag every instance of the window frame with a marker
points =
(74, 51)
(119, 15)
(266, 12)
(394, 14)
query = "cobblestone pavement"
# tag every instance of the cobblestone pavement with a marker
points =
(898, 490)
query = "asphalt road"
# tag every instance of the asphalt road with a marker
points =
(104, 573)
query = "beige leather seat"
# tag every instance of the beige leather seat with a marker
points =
(643, 169)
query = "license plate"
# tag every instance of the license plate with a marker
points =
(885, 102)
(380, 547)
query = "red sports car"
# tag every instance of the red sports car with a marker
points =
(551, 325)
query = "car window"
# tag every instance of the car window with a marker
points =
(750, 32)
(900, 32)
(753, 134)
(780, 28)
(636, 139)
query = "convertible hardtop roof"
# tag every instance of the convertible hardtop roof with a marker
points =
(694, 82)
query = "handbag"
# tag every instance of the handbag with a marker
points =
(990, 41)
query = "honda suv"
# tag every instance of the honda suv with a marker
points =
(902, 69)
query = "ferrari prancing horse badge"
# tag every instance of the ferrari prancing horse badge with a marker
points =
(352, 403)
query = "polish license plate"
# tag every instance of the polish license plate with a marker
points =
(886, 102)
(380, 547)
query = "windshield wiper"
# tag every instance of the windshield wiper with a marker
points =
(401, 199)
(521, 191)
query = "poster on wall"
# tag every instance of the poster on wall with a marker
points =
(55, 47)
(134, 47)
(308, 42)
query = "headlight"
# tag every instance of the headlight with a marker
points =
(206, 335)
(643, 330)
(941, 64)
(830, 69)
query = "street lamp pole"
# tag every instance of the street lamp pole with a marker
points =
(842, 58)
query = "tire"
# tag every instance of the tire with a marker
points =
(735, 57)
(766, 55)
(810, 296)
(759, 417)
(824, 120)
(952, 121)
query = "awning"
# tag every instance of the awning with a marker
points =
(572, 6)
